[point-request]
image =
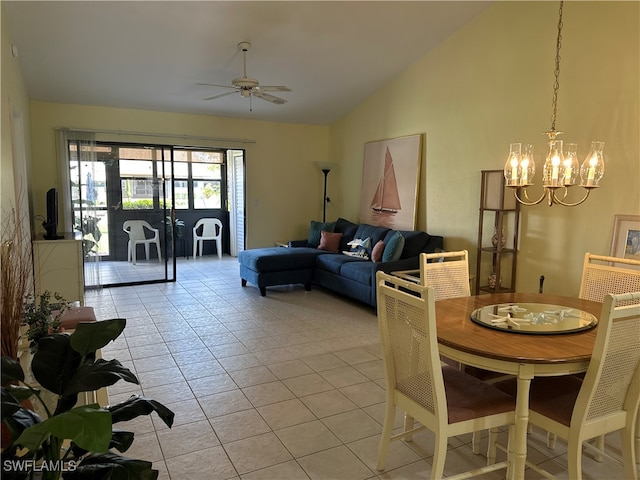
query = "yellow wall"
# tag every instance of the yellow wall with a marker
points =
(486, 86)
(284, 187)
(15, 117)
(491, 84)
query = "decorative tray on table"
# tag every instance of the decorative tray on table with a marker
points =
(533, 318)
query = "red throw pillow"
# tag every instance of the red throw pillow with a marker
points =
(330, 241)
(378, 250)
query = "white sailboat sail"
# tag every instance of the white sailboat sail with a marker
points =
(386, 198)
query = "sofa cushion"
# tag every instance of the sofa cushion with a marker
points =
(376, 253)
(276, 259)
(415, 243)
(330, 241)
(372, 232)
(334, 263)
(361, 271)
(394, 242)
(315, 231)
(347, 229)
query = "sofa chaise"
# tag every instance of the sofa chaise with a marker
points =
(340, 256)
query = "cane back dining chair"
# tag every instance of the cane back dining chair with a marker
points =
(606, 400)
(602, 275)
(137, 230)
(447, 273)
(443, 399)
(207, 229)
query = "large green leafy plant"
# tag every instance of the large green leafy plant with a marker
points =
(73, 442)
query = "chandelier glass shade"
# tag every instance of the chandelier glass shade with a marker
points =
(561, 169)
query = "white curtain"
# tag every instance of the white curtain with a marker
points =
(76, 171)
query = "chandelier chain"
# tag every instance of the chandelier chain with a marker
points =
(560, 171)
(556, 72)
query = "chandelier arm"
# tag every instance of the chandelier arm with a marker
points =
(567, 204)
(528, 201)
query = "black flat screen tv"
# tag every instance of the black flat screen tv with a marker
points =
(51, 223)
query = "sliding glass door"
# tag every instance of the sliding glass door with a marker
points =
(160, 191)
(121, 206)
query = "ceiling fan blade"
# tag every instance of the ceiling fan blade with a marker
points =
(269, 98)
(274, 88)
(218, 96)
(216, 85)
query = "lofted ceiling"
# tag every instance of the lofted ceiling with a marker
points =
(151, 54)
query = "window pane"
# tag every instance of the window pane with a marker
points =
(136, 168)
(206, 157)
(93, 184)
(137, 193)
(204, 170)
(206, 194)
(180, 156)
(137, 153)
(182, 194)
(180, 169)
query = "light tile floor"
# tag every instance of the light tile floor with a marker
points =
(287, 386)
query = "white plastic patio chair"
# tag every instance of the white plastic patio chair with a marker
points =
(137, 230)
(211, 230)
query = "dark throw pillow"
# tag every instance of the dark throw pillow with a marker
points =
(316, 228)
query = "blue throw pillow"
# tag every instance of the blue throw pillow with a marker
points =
(393, 248)
(316, 230)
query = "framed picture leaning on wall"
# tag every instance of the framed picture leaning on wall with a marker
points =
(626, 237)
(390, 175)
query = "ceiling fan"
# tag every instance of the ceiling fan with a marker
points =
(249, 87)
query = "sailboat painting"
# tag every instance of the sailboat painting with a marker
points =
(390, 176)
(386, 199)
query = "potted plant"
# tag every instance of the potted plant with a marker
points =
(16, 277)
(91, 233)
(176, 226)
(43, 317)
(73, 442)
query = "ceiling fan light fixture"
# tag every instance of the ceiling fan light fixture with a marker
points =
(249, 87)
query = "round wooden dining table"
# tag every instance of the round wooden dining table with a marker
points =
(524, 355)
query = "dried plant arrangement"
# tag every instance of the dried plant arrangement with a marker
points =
(17, 276)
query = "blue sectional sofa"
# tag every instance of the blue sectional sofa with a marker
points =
(314, 261)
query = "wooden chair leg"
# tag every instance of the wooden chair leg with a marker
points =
(408, 425)
(598, 442)
(475, 442)
(439, 454)
(385, 438)
(491, 449)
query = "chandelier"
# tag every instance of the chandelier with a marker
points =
(561, 168)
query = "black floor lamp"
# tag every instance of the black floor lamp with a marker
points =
(325, 168)
(324, 196)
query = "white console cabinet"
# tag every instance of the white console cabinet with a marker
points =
(58, 266)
